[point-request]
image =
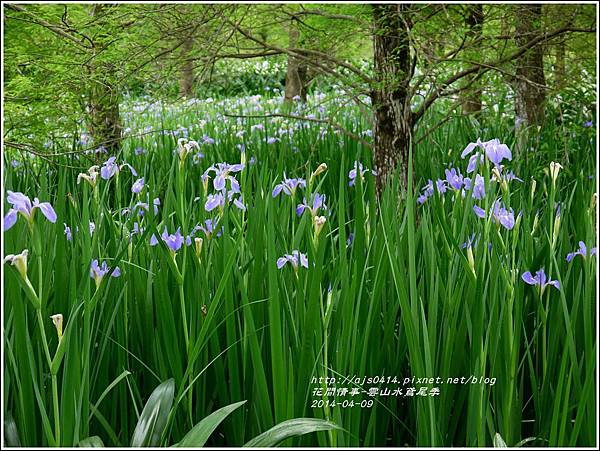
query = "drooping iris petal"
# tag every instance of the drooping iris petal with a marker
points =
(219, 182)
(277, 190)
(480, 212)
(10, 219)
(213, 201)
(479, 188)
(470, 147)
(19, 202)
(473, 162)
(47, 211)
(138, 186)
(238, 203)
(554, 283)
(304, 260)
(528, 278)
(133, 171)
(496, 151)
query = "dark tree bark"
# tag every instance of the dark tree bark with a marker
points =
(471, 99)
(186, 78)
(393, 120)
(296, 73)
(104, 120)
(530, 82)
(560, 63)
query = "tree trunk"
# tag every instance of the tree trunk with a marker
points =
(103, 116)
(560, 75)
(186, 79)
(393, 121)
(296, 73)
(530, 81)
(471, 98)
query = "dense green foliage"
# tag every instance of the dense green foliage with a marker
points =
(400, 300)
(224, 335)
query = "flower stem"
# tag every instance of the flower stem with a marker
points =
(184, 318)
(44, 339)
(56, 411)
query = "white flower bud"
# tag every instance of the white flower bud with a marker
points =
(58, 323)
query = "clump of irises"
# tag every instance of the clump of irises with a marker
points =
(494, 151)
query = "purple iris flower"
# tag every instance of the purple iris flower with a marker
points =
(454, 178)
(137, 230)
(504, 216)
(428, 189)
(441, 186)
(208, 228)
(471, 241)
(138, 186)
(272, 140)
(318, 202)
(139, 151)
(295, 259)
(218, 200)
(22, 204)
(14, 163)
(588, 124)
(174, 241)
(98, 272)
(288, 186)
(427, 193)
(110, 168)
(68, 233)
(581, 251)
(494, 150)
(511, 176)
(539, 279)
(143, 206)
(350, 239)
(357, 170)
(222, 174)
(207, 140)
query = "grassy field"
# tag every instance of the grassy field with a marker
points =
(247, 297)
